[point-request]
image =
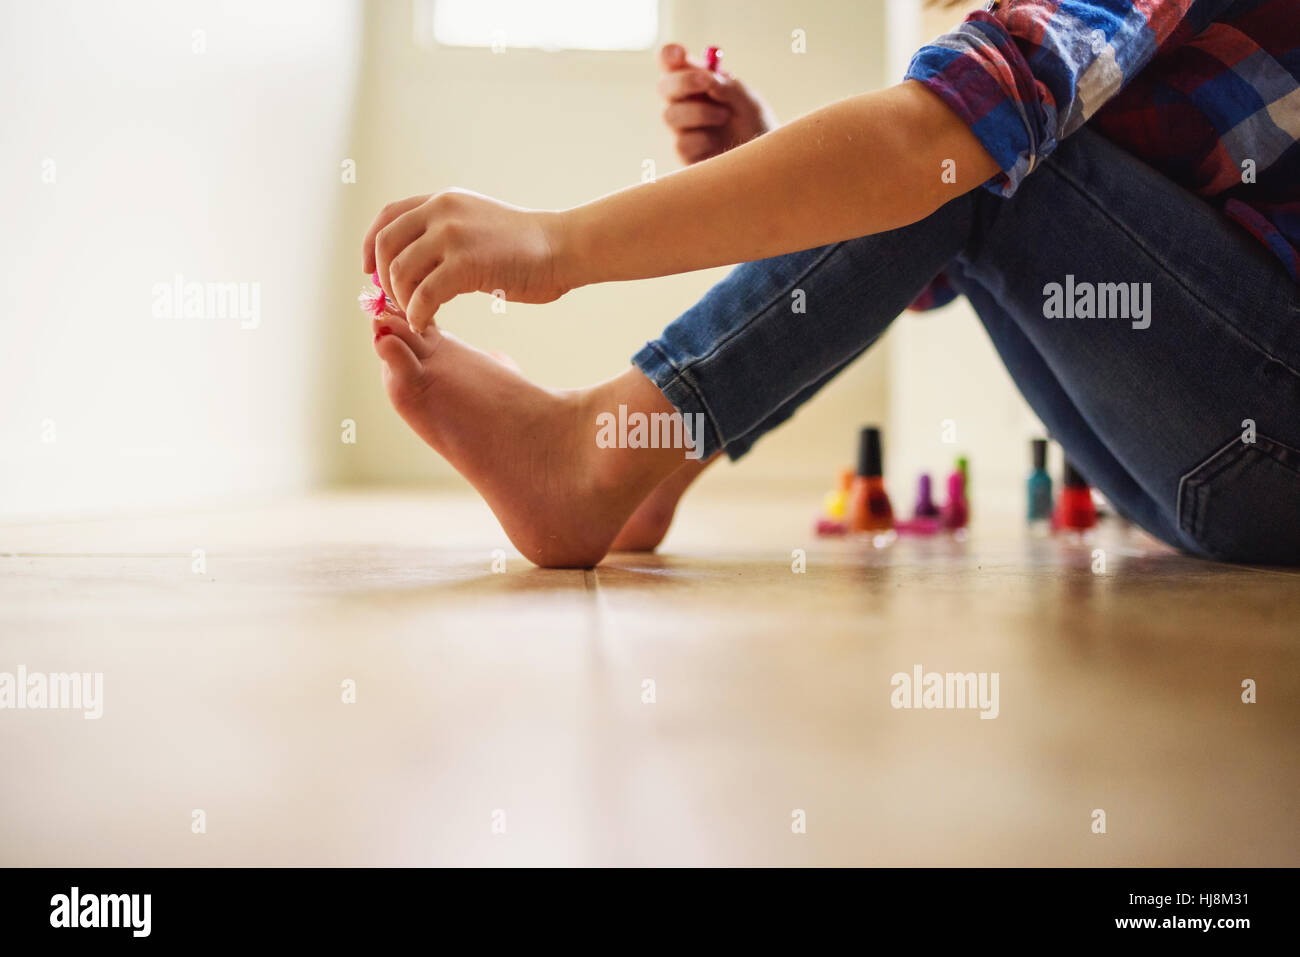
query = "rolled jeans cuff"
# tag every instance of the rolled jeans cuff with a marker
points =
(681, 391)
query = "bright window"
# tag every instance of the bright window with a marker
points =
(553, 25)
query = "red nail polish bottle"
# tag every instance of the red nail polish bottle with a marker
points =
(1075, 509)
(869, 508)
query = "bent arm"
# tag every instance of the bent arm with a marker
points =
(867, 164)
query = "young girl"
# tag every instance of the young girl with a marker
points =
(1114, 185)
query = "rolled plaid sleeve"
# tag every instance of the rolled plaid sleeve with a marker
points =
(1028, 73)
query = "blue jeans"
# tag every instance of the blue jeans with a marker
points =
(1155, 417)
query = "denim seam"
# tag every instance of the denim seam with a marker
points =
(1190, 504)
(1194, 483)
(1166, 266)
(1193, 499)
(680, 377)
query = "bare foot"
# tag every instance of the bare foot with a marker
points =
(652, 518)
(530, 452)
(649, 523)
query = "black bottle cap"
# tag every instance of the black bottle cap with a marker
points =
(1039, 447)
(869, 452)
(1072, 478)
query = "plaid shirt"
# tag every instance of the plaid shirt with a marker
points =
(1207, 92)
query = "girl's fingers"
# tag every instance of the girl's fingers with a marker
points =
(672, 56)
(726, 89)
(689, 81)
(386, 216)
(409, 267)
(692, 114)
(695, 145)
(392, 239)
(441, 285)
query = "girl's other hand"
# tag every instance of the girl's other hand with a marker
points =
(709, 113)
(430, 249)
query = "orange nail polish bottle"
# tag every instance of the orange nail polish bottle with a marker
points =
(869, 508)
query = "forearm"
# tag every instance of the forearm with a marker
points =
(864, 165)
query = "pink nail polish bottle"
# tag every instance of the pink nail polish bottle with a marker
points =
(956, 513)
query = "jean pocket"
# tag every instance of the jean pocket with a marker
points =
(1242, 504)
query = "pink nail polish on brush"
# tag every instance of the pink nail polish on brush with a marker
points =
(712, 57)
(374, 302)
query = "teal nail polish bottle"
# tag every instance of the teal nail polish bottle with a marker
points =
(1039, 485)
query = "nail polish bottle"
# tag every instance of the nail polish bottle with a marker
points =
(869, 508)
(925, 507)
(1075, 510)
(1039, 486)
(956, 512)
(963, 466)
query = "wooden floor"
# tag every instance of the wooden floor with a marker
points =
(515, 699)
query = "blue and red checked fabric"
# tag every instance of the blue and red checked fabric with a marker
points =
(1205, 91)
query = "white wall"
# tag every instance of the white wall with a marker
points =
(216, 165)
(553, 130)
(225, 165)
(943, 367)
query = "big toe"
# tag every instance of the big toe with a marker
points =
(405, 370)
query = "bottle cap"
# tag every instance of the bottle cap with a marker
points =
(1039, 447)
(869, 458)
(1071, 477)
